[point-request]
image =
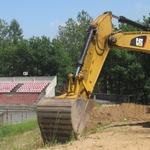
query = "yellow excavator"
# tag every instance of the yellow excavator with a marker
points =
(62, 116)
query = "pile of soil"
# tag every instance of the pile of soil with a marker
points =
(135, 135)
(125, 111)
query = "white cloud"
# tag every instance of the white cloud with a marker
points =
(141, 5)
(53, 23)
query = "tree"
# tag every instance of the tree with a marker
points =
(22, 59)
(15, 32)
(60, 62)
(39, 49)
(72, 35)
(47, 58)
(7, 58)
(4, 28)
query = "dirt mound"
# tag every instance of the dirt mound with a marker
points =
(125, 111)
(118, 135)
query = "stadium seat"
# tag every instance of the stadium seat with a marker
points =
(33, 87)
(6, 87)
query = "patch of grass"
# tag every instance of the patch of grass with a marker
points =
(72, 136)
(15, 129)
(97, 104)
(23, 136)
(96, 129)
(56, 143)
(52, 132)
(108, 123)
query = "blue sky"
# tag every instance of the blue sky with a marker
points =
(42, 17)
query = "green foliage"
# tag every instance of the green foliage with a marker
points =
(72, 36)
(14, 129)
(97, 104)
(96, 129)
(61, 62)
(4, 28)
(72, 136)
(55, 143)
(15, 32)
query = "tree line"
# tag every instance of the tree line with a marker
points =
(124, 72)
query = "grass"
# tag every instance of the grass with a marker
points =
(15, 129)
(54, 131)
(96, 129)
(97, 104)
(22, 136)
(72, 136)
(99, 128)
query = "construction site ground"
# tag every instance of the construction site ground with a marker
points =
(117, 127)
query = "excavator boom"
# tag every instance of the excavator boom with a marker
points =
(61, 116)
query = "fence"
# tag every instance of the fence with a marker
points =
(110, 98)
(16, 116)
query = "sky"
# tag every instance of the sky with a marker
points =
(42, 17)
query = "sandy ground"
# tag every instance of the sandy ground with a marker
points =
(120, 127)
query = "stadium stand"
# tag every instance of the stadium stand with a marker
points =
(26, 90)
(36, 86)
(6, 87)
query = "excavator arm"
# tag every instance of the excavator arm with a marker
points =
(92, 58)
(61, 116)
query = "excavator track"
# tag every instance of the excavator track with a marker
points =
(59, 118)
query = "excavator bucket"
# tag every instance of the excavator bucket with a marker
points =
(60, 118)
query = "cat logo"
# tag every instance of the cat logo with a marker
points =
(139, 42)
